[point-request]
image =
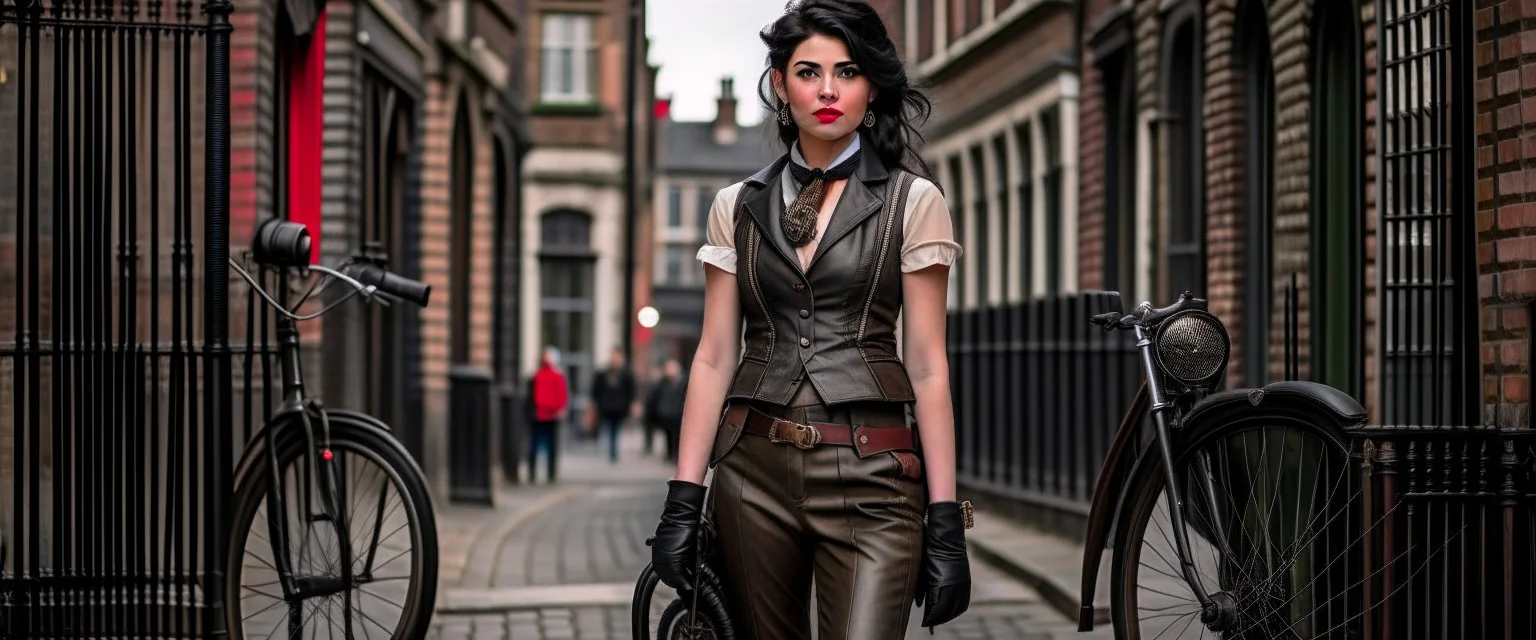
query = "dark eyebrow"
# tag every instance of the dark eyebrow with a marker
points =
(813, 65)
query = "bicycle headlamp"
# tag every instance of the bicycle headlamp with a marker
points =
(280, 243)
(1192, 347)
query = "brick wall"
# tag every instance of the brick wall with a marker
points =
(1225, 159)
(1224, 175)
(438, 246)
(1091, 138)
(1505, 94)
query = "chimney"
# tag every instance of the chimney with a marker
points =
(725, 113)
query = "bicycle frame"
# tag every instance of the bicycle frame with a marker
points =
(1126, 457)
(296, 407)
(1151, 399)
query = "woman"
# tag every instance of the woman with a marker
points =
(826, 255)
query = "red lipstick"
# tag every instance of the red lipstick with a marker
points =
(828, 115)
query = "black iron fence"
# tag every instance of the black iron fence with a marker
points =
(116, 435)
(1038, 393)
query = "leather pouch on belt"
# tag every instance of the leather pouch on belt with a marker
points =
(727, 433)
(898, 442)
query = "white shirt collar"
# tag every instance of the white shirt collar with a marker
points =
(787, 186)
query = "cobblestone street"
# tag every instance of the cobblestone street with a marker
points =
(559, 562)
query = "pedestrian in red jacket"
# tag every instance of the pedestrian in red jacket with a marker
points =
(550, 396)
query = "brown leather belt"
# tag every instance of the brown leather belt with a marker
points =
(866, 440)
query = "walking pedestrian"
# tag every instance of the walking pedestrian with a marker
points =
(664, 406)
(613, 400)
(550, 397)
(819, 475)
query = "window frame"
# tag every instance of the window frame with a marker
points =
(582, 48)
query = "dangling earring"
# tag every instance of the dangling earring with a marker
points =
(869, 119)
(784, 114)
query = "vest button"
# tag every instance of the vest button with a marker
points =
(805, 342)
(804, 313)
(799, 287)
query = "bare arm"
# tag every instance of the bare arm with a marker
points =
(926, 292)
(710, 376)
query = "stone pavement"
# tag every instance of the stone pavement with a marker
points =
(560, 561)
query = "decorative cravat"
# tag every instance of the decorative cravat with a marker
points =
(799, 219)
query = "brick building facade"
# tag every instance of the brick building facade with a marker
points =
(574, 189)
(1002, 139)
(1229, 148)
(1243, 134)
(694, 161)
(395, 129)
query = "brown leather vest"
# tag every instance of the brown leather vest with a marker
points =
(834, 322)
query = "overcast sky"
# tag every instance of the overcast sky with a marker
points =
(696, 42)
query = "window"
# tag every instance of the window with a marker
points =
(1186, 222)
(1258, 173)
(566, 293)
(1026, 228)
(1120, 240)
(983, 226)
(674, 207)
(706, 198)
(1337, 338)
(1050, 132)
(1004, 216)
(961, 269)
(462, 220)
(568, 62)
(676, 264)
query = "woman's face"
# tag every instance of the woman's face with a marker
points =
(827, 93)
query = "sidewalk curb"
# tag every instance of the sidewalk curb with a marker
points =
(1049, 563)
(499, 530)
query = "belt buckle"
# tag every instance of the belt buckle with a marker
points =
(805, 436)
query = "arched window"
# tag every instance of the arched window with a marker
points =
(566, 264)
(386, 224)
(1257, 65)
(462, 212)
(1119, 86)
(1337, 344)
(1182, 99)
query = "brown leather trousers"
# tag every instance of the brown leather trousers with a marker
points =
(788, 515)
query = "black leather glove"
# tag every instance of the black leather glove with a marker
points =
(945, 581)
(674, 549)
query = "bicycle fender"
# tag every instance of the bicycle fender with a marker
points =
(256, 447)
(1292, 398)
(1107, 496)
(360, 417)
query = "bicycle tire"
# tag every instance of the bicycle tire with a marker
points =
(1149, 483)
(347, 433)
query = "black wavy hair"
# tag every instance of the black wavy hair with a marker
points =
(900, 107)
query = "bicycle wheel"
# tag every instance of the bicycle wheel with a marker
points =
(389, 529)
(1268, 508)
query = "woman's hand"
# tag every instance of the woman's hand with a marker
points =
(674, 550)
(945, 581)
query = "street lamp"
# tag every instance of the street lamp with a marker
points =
(649, 317)
(631, 86)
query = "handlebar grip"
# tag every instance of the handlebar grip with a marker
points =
(396, 285)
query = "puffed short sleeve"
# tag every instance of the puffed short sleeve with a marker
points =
(929, 232)
(720, 237)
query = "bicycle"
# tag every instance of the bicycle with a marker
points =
(314, 450)
(683, 618)
(1238, 566)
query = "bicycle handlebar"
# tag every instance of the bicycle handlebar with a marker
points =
(1144, 314)
(284, 244)
(393, 284)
